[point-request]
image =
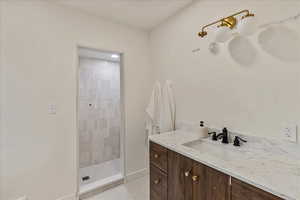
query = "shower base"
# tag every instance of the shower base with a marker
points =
(100, 176)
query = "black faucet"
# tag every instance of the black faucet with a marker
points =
(214, 136)
(224, 136)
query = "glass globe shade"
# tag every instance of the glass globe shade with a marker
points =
(247, 26)
(222, 34)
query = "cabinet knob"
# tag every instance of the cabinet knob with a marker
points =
(156, 155)
(214, 188)
(156, 182)
(195, 178)
(187, 173)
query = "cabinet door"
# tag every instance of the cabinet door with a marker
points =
(244, 191)
(217, 185)
(158, 184)
(199, 182)
(179, 177)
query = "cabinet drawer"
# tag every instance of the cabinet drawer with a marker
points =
(244, 191)
(159, 156)
(158, 184)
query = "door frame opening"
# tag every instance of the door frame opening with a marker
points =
(122, 112)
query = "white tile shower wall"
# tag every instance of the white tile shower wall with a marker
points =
(99, 111)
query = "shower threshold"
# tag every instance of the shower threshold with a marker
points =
(101, 184)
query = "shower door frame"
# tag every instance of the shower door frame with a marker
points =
(122, 109)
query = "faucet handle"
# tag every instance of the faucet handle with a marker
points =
(214, 136)
(237, 140)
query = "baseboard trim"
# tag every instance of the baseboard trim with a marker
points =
(137, 174)
(130, 177)
(68, 197)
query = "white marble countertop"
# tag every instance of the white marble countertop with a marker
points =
(270, 165)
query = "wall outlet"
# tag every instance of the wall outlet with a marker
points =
(289, 132)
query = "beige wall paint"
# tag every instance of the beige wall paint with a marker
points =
(39, 45)
(37, 150)
(1, 104)
(254, 100)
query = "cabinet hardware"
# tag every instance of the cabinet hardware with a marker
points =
(156, 155)
(156, 182)
(214, 188)
(187, 173)
(195, 178)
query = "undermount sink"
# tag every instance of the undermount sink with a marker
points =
(200, 145)
(214, 148)
(207, 143)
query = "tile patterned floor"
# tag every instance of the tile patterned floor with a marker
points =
(133, 190)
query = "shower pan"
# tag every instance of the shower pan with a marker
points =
(99, 119)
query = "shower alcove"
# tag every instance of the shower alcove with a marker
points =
(100, 124)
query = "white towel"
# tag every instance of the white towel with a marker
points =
(168, 108)
(153, 111)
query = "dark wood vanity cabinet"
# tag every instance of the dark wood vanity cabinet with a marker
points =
(158, 172)
(176, 177)
(217, 185)
(244, 191)
(209, 184)
(189, 180)
(180, 186)
(158, 184)
(159, 156)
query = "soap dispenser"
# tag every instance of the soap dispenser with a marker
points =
(203, 130)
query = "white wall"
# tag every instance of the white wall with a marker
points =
(38, 151)
(1, 104)
(255, 100)
(39, 45)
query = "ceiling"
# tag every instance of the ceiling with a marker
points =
(144, 14)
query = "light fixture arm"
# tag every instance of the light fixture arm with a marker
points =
(229, 21)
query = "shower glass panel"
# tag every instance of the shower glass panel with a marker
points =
(99, 119)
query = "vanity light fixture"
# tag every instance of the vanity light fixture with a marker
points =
(227, 23)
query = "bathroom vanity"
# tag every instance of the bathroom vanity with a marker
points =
(182, 167)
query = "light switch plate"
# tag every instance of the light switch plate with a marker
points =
(289, 132)
(52, 109)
